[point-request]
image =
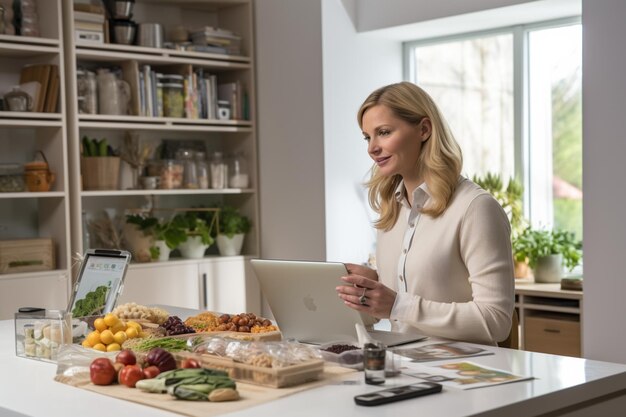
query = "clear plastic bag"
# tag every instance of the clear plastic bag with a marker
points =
(262, 354)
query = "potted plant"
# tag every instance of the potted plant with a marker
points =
(167, 238)
(138, 234)
(547, 252)
(509, 197)
(197, 234)
(233, 227)
(99, 165)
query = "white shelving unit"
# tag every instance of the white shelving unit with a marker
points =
(36, 214)
(187, 283)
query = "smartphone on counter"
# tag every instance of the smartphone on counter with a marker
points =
(405, 392)
(99, 283)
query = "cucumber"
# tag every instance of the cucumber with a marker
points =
(102, 148)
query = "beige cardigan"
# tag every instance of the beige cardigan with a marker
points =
(455, 279)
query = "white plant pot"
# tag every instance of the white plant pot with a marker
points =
(164, 250)
(230, 246)
(193, 248)
(549, 269)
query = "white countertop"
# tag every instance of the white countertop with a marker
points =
(27, 388)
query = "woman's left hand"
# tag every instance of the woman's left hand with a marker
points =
(367, 296)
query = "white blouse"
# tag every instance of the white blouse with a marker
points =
(453, 274)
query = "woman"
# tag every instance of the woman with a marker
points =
(444, 264)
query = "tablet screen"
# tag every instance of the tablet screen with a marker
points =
(98, 284)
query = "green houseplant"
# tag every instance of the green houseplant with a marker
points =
(168, 236)
(197, 232)
(233, 227)
(547, 251)
(509, 197)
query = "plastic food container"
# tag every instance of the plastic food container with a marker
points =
(11, 178)
(349, 358)
(40, 334)
(271, 377)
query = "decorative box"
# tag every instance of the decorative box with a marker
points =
(40, 333)
(26, 255)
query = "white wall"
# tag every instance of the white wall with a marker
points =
(376, 14)
(354, 65)
(604, 170)
(290, 128)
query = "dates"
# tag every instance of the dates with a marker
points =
(174, 325)
(244, 322)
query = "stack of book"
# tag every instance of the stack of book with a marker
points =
(89, 23)
(46, 78)
(215, 40)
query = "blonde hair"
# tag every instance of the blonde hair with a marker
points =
(440, 160)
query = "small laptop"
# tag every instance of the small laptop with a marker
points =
(305, 304)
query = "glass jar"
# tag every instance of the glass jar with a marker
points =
(219, 171)
(171, 175)
(11, 178)
(87, 89)
(202, 169)
(173, 100)
(238, 171)
(190, 172)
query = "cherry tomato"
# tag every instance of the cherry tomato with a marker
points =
(130, 375)
(190, 363)
(127, 357)
(151, 372)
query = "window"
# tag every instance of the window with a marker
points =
(512, 98)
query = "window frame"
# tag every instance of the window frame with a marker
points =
(521, 104)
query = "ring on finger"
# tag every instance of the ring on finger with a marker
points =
(363, 298)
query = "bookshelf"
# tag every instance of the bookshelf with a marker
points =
(28, 215)
(184, 282)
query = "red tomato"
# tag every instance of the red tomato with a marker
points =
(102, 371)
(151, 372)
(127, 357)
(190, 363)
(130, 375)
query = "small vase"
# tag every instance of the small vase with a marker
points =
(138, 242)
(521, 269)
(193, 248)
(549, 269)
(230, 246)
(164, 250)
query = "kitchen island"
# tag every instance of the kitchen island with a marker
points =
(563, 386)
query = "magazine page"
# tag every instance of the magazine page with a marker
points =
(463, 375)
(440, 351)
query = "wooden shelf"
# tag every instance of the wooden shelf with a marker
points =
(26, 194)
(117, 193)
(30, 119)
(160, 56)
(26, 46)
(88, 49)
(103, 121)
(38, 274)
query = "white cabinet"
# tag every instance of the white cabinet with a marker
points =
(41, 289)
(230, 286)
(176, 284)
(25, 214)
(220, 284)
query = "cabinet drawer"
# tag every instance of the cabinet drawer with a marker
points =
(558, 335)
